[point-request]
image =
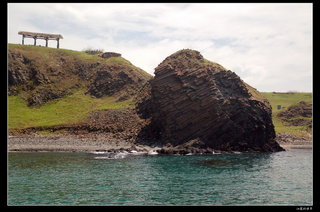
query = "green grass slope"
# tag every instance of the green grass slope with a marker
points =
(76, 106)
(72, 107)
(286, 100)
(44, 53)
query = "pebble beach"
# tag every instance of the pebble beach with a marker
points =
(102, 142)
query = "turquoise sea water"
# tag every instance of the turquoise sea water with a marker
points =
(282, 178)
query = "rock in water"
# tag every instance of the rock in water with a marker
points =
(192, 98)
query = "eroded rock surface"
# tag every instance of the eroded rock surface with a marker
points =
(41, 74)
(299, 114)
(110, 54)
(192, 98)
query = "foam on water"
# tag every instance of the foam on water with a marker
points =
(103, 158)
(99, 152)
(111, 155)
(152, 152)
(119, 155)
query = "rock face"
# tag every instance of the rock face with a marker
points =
(191, 98)
(300, 109)
(299, 114)
(42, 74)
(110, 54)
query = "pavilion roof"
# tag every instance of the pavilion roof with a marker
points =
(40, 35)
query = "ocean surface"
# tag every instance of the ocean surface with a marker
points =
(43, 178)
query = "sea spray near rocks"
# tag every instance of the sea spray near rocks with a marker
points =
(193, 99)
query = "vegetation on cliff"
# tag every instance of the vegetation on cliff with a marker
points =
(286, 100)
(58, 87)
(49, 87)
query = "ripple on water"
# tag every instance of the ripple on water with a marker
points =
(283, 178)
(214, 162)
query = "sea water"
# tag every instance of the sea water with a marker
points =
(282, 178)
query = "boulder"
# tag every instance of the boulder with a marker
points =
(110, 54)
(191, 98)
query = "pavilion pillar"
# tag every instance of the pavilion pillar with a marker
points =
(23, 39)
(57, 43)
(46, 42)
(35, 40)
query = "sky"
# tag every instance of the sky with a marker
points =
(269, 45)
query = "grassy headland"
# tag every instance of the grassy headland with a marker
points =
(49, 87)
(286, 100)
(71, 109)
(68, 74)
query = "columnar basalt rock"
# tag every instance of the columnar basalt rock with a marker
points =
(193, 98)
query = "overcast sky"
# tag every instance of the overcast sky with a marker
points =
(268, 45)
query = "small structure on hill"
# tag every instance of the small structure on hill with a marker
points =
(44, 36)
(110, 54)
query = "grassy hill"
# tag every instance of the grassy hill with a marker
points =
(71, 109)
(49, 87)
(286, 100)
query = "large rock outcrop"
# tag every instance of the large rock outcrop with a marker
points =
(191, 98)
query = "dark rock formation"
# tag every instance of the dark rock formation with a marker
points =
(300, 109)
(22, 70)
(299, 114)
(110, 54)
(115, 80)
(191, 98)
(45, 94)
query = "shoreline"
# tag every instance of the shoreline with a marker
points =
(70, 143)
(105, 142)
(289, 141)
(305, 145)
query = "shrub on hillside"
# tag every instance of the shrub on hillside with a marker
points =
(93, 51)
